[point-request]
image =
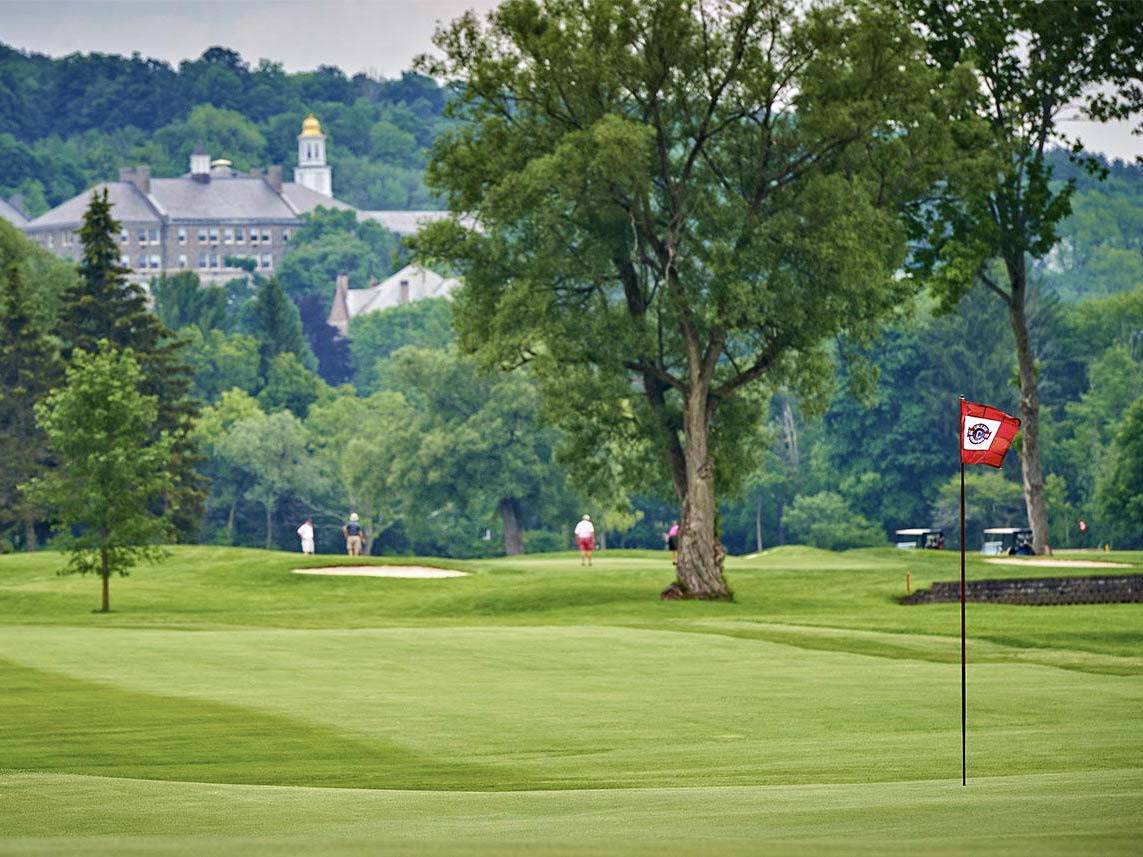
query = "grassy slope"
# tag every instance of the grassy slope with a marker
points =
(536, 704)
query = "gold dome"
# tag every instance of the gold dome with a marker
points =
(311, 127)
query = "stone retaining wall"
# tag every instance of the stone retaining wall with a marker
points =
(1094, 589)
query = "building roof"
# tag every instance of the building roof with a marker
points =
(402, 222)
(128, 204)
(233, 198)
(306, 200)
(422, 283)
(12, 214)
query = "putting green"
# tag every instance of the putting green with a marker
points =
(230, 705)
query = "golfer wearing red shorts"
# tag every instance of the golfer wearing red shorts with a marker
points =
(585, 538)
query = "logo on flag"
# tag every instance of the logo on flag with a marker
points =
(985, 434)
(978, 434)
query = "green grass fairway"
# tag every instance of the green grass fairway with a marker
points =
(229, 706)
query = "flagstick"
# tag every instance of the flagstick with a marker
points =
(963, 706)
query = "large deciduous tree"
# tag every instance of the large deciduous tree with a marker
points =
(271, 450)
(1039, 63)
(676, 201)
(112, 466)
(474, 445)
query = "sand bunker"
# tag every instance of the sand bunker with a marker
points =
(1060, 563)
(412, 571)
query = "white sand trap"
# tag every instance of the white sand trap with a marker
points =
(1059, 563)
(411, 571)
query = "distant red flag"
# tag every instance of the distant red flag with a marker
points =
(985, 434)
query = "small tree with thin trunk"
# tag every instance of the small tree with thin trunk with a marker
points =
(675, 202)
(111, 466)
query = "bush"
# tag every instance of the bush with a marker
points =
(543, 541)
(825, 521)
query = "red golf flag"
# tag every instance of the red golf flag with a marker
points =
(985, 434)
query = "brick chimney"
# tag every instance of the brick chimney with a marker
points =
(403, 293)
(274, 177)
(339, 311)
(138, 176)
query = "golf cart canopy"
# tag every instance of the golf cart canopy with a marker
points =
(920, 537)
(998, 540)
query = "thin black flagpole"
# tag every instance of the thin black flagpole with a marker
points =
(963, 705)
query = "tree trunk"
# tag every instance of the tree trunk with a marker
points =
(105, 576)
(758, 525)
(30, 541)
(701, 554)
(509, 509)
(269, 526)
(230, 522)
(1030, 466)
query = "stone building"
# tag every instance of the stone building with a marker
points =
(194, 222)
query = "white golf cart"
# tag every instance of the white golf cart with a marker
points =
(1008, 541)
(918, 538)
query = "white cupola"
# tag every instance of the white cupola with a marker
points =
(312, 171)
(199, 161)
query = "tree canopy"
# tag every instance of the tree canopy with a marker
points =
(113, 472)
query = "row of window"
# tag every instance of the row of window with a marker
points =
(67, 239)
(204, 234)
(143, 262)
(205, 261)
(231, 235)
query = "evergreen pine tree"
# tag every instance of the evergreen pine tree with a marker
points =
(277, 325)
(104, 305)
(29, 368)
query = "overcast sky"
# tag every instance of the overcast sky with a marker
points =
(379, 37)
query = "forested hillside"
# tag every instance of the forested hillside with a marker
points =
(68, 123)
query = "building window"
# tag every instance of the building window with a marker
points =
(202, 260)
(125, 261)
(265, 236)
(182, 260)
(141, 236)
(155, 261)
(214, 235)
(124, 235)
(153, 234)
(228, 235)
(267, 261)
(214, 260)
(239, 235)
(182, 233)
(202, 235)
(51, 239)
(286, 235)
(142, 262)
(253, 235)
